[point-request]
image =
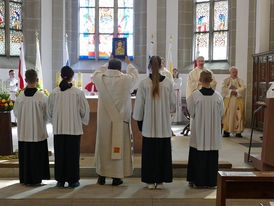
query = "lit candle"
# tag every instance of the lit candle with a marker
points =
(79, 80)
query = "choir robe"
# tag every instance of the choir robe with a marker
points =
(193, 81)
(67, 110)
(113, 152)
(178, 116)
(206, 109)
(30, 110)
(153, 116)
(166, 73)
(234, 117)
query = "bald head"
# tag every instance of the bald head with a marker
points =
(234, 72)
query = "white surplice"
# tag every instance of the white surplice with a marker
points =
(68, 110)
(155, 113)
(164, 71)
(193, 81)
(31, 117)
(206, 113)
(113, 156)
(178, 116)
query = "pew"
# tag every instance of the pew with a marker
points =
(244, 185)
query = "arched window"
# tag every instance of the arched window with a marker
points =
(211, 29)
(100, 21)
(10, 27)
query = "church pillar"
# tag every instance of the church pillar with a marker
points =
(172, 30)
(46, 43)
(262, 26)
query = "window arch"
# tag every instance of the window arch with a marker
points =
(211, 29)
(100, 21)
(10, 27)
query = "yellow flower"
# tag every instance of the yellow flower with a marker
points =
(3, 101)
(6, 105)
(11, 103)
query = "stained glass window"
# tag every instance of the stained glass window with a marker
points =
(115, 20)
(2, 42)
(15, 40)
(211, 34)
(2, 14)
(106, 20)
(15, 16)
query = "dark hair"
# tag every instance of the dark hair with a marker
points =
(31, 76)
(155, 65)
(115, 64)
(67, 74)
(177, 76)
(11, 71)
(206, 76)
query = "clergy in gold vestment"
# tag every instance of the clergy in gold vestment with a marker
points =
(193, 83)
(233, 92)
(113, 156)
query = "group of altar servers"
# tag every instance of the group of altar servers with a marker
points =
(156, 102)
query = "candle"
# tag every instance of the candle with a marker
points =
(79, 80)
(58, 78)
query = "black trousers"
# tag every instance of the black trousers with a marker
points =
(33, 162)
(202, 167)
(156, 160)
(67, 155)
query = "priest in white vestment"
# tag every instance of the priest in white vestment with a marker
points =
(113, 154)
(12, 85)
(206, 109)
(193, 83)
(233, 92)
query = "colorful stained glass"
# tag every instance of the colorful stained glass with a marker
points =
(125, 20)
(202, 17)
(15, 40)
(202, 44)
(106, 20)
(106, 3)
(15, 16)
(2, 42)
(87, 46)
(105, 46)
(220, 15)
(87, 19)
(129, 43)
(220, 46)
(2, 14)
(125, 3)
(87, 3)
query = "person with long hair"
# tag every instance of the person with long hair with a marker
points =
(68, 109)
(154, 103)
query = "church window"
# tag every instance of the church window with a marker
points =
(211, 29)
(100, 21)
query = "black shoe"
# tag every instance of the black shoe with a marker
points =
(60, 184)
(74, 184)
(239, 135)
(101, 180)
(226, 134)
(117, 181)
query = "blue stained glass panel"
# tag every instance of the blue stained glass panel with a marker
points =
(15, 42)
(220, 15)
(106, 20)
(202, 17)
(2, 14)
(105, 46)
(125, 3)
(15, 16)
(106, 3)
(2, 42)
(87, 3)
(125, 20)
(87, 46)
(87, 20)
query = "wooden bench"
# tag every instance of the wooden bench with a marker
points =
(244, 185)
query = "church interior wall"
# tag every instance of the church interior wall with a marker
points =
(271, 36)
(161, 27)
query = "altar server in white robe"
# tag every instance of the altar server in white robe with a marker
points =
(155, 101)
(233, 92)
(30, 110)
(68, 109)
(193, 82)
(113, 154)
(206, 109)
(178, 116)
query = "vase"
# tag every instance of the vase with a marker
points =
(6, 147)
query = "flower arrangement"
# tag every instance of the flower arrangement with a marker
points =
(39, 89)
(6, 104)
